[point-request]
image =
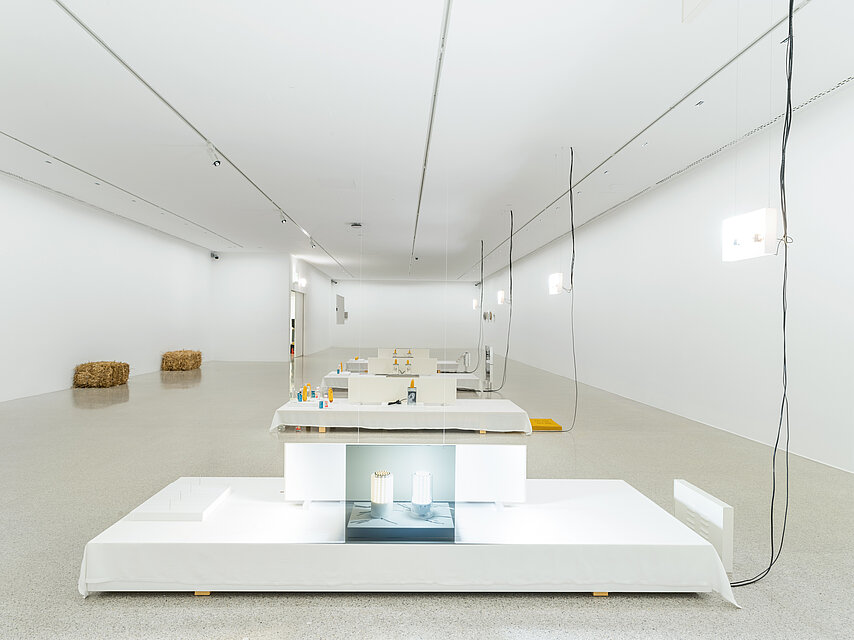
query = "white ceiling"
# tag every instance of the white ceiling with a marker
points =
(325, 106)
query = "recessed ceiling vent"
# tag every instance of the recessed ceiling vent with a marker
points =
(355, 225)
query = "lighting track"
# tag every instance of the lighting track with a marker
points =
(440, 58)
(667, 111)
(107, 182)
(679, 172)
(195, 129)
(94, 206)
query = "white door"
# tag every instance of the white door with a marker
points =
(297, 321)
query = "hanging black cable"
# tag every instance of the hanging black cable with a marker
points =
(479, 315)
(572, 289)
(784, 403)
(510, 303)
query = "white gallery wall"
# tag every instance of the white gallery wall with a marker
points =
(435, 315)
(319, 312)
(79, 285)
(250, 307)
(662, 320)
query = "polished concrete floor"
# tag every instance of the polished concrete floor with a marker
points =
(73, 462)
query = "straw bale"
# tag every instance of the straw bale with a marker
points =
(101, 374)
(184, 360)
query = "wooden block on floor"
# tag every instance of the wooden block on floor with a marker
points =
(322, 429)
(545, 424)
(201, 593)
(483, 431)
(600, 593)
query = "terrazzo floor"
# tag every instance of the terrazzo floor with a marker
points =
(73, 462)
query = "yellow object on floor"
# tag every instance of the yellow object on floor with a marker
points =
(545, 424)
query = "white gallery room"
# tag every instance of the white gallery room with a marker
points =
(426, 319)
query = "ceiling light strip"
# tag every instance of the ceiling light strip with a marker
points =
(114, 186)
(175, 111)
(640, 133)
(440, 58)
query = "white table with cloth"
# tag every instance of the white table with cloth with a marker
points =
(360, 365)
(465, 381)
(490, 414)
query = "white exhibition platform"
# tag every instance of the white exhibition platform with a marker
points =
(569, 535)
(335, 380)
(489, 414)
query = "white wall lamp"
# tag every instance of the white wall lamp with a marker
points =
(502, 297)
(556, 284)
(474, 304)
(299, 282)
(749, 235)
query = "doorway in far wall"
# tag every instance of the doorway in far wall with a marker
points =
(297, 323)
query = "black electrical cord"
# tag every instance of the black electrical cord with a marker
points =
(479, 315)
(784, 403)
(510, 317)
(572, 289)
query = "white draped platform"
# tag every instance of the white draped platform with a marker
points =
(334, 380)
(361, 365)
(492, 414)
(569, 535)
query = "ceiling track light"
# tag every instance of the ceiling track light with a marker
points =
(284, 218)
(212, 154)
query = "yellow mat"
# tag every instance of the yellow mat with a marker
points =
(545, 424)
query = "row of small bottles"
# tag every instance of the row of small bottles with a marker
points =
(307, 394)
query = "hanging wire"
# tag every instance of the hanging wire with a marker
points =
(572, 289)
(510, 316)
(480, 316)
(784, 402)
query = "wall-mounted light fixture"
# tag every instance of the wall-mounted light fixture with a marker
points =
(474, 303)
(501, 296)
(749, 235)
(556, 284)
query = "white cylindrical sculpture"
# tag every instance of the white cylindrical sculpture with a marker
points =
(382, 494)
(422, 494)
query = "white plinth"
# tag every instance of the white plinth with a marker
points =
(357, 366)
(185, 499)
(570, 535)
(490, 414)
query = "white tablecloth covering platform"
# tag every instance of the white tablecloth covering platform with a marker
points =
(570, 535)
(491, 414)
(361, 365)
(357, 366)
(335, 380)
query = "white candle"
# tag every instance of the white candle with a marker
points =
(382, 494)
